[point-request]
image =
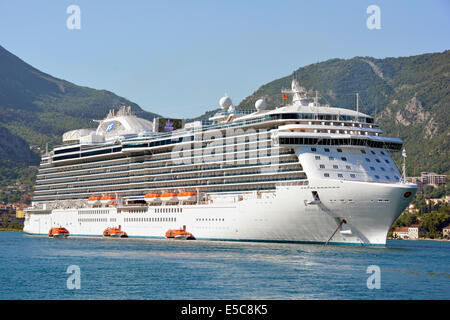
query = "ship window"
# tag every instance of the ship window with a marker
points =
(363, 151)
(340, 175)
(339, 150)
(372, 168)
(372, 151)
(377, 177)
(377, 160)
(331, 158)
(322, 166)
(326, 150)
(382, 153)
(387, 161)
(367, 159)
(396, 177)
(382, 169)
(317, 157)
(348, 167)
(335, 166)
(344, 159)
(326, 175)
(387, 177)
(352, 175)
(313, 149)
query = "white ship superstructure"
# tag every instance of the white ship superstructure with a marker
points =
(302, 172)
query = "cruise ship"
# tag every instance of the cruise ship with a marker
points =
(302, 172)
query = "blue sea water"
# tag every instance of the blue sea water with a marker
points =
(35, 267)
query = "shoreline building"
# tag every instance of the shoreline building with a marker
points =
(428, 178)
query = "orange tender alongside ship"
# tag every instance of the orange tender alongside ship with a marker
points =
(115, 233)
(181, 234)
(58, 232)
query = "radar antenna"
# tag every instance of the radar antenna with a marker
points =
(300, 96)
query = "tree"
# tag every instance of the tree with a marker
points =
(5, 219)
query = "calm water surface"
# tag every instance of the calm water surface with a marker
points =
(34, 267)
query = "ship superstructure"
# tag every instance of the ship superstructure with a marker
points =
(301, 172)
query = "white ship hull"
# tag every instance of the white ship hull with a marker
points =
(289, 214)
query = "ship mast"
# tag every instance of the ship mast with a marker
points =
(299, 93)
(404, 165)
(357, 107)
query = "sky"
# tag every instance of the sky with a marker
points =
(178, 58)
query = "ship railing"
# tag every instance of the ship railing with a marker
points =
(292, 183)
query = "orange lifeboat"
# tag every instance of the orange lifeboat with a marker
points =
(94, 200)
(115, 233)
(169, 197)
(107, 199)
(152, 197)
(187, 196)
(179, 234)
(59, 232)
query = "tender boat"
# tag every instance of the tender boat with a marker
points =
(179, 234)
(169, 197)
(152, 197)
(115, 233)
(107, 199)
(187, 196)
(58, 232)
(94, 200)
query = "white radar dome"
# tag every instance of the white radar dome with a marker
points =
(225, 102)
(260, 104)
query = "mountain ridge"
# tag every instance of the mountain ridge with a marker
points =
(39, 107)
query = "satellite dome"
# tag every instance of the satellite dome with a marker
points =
(260, 104)
(225, 102)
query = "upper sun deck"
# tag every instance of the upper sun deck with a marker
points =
(300, 108)
(300, 116)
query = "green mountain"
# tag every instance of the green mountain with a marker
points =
(408, 96)
(40, 108)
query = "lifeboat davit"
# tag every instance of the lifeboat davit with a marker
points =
(187, 196)
(152, 197)
(107, 199)
(179, 234)
(169, 197)
(94, 200)
(115, 233)
(59, 232)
